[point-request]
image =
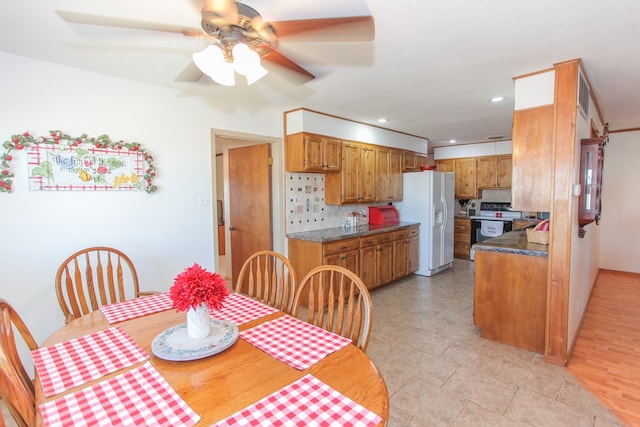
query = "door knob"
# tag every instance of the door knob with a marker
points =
(231, 228)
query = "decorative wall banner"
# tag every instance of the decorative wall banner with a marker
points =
(63, 163)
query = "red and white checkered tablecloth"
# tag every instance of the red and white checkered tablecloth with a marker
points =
(297, 343)
(77, 361)
(139, 397)
(306, 402)
(138, 307)
(241, 309)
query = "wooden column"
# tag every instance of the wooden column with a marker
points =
(564, 152)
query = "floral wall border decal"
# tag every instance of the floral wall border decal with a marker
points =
(64, 142)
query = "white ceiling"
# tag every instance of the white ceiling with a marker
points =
(432, 68)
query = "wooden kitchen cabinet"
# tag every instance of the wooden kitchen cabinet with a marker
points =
(461, 238)
(388, 174)
(355, 182)
(532, 159)
(308, 152)
(405, 252)
(465, 178)
(376, 259)
(446, 165)
(413, 161)
(510, 298)
(493, 172)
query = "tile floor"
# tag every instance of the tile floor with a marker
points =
(440, 372)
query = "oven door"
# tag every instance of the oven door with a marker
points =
(478, 236)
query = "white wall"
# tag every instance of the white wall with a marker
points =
(620, 224)
(163, 232)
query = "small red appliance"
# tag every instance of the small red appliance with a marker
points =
(383, 215)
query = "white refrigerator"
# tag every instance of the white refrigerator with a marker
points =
(428, 198)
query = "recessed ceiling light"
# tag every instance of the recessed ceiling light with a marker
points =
(497, 99)
(383, 120)
(452, 141)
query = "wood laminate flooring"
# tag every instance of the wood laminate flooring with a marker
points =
(606, 357)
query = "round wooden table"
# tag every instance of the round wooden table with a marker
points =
(220, 385)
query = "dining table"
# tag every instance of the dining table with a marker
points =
(89, 360)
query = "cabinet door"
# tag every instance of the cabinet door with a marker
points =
(504, 170)
(465, 176)
(486, 169)
(331, 154)
(408, 161)
(421, 160)
(367, 175)
(313, 152)
(384, 263)
(395, 175)
(348, 260)
(413, 259)
(383, 174)
(400, 258)
(445, 166)
(350, 172)
(368, 266)
(532, 145)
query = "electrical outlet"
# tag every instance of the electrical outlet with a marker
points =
(204, 201)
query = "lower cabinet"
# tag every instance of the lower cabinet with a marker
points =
(461, 238)
(377, 258)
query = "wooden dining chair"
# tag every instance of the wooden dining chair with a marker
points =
(337, 300)
(268, 277)
(93, 277)
(16, 387)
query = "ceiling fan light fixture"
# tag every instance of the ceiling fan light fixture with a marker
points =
(247, 63)
(211, 62)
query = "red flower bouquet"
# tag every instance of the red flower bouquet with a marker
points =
(195, 286)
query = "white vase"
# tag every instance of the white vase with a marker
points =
(198, 322)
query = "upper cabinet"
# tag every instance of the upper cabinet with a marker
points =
(355, 183)
(388, 174)
(412, 161)
(532, 159)
(493, 172)
(474, 174)
(308, 152)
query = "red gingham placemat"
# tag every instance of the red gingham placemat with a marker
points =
(74, 362)
(137, 307)
(306, 402)
(297, 343)
(140, 397)
(241, 309)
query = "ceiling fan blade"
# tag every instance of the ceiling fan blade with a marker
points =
(108, 21)
(220, 6)
(279, 59)
(350, 29)
(191, 73)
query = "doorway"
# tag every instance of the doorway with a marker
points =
(222, 141)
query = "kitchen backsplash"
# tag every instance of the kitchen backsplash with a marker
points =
(305, 205)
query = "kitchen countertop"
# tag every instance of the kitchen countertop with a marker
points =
(513, 242)
(340, 233)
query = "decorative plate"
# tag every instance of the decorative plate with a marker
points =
(174, 343)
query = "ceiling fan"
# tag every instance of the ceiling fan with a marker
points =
(233, 27)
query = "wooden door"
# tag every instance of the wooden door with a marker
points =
(313, 152)
(249, 203)
(486, 168)
(465, 171)
(504, 170)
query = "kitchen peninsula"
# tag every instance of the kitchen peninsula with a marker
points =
(510, 290)
(379, 254)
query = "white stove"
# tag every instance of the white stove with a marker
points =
(495, 219)
(497, 211)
